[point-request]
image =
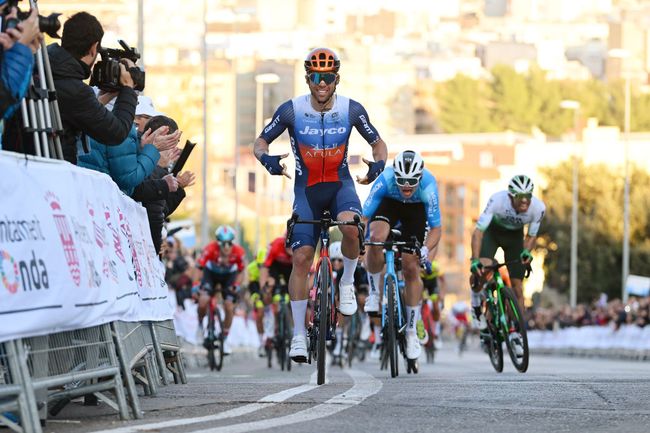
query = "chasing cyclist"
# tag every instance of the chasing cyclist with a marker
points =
(319, 125)
(502, 225)
(256, 293)
(406, 193)
(222, 262)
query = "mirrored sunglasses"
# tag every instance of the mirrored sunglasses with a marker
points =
(225, 244)
(407, 181)
(522, 196)
(317, 77)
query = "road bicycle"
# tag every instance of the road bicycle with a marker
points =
(323, 311)
(504, 319)
(393, 311)
(214, 339)
(281, 341)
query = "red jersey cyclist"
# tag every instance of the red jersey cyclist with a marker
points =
(222, 262)
(319, 125)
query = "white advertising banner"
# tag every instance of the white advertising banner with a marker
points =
(74, 251)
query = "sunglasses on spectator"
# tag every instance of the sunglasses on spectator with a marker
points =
(317, 77)
(226, 244)
(522, 196)
(407, 181)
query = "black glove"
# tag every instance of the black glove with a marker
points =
(374, 169)
(272, 163)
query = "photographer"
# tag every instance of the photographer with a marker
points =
(81, 112)
(16, 60)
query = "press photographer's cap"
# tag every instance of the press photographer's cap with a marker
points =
(145, 107)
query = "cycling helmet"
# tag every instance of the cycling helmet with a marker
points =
(322, 60)
(520, 184)
(408, 165)
(225, 234)
(335, 251)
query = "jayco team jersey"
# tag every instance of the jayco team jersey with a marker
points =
(320, 140)
(499, 211)
(386, 187)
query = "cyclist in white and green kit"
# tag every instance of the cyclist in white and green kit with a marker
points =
(502, 225)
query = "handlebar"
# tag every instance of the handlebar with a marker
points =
(498, 265)
(326, 222)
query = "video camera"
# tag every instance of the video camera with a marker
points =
(106, 73)
(49, 24)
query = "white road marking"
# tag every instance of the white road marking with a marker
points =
(365, 386)
(264, 402)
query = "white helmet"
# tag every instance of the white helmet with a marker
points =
(335, 251)
(520, 184)
(408, 165)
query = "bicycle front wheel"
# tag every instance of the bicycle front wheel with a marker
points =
(323, 319)
(391, 341)
(517, 339)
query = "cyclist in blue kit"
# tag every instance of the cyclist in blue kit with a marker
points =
(405, 193)
(319, 126)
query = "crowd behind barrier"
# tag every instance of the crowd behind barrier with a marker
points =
(85, 308)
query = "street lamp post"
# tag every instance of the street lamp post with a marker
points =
(573, 279)
(622, 54)
(204, 165)
(260, 80)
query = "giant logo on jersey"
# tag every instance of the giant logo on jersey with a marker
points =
(322, 164)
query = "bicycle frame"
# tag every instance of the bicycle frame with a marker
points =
(389, 256)
(495, 303)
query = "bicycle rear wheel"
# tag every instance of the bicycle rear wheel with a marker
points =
(390, 340)
(352, 338)
(280, 338)
(215, 340)
(323, 319)
(495, 351)
(516, 331)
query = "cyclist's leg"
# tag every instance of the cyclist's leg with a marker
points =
(512, 244)
(413, 217)
(206, 288)
(489, 247)
(385, 217)
(346, 206)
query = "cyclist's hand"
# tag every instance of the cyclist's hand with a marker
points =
(374, 169)
(272, 164)
(525, 256)
(476, 267)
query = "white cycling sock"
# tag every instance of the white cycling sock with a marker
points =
(349, 266)
(375, 282)
(298, 311)
(475, 299)
(412, 317)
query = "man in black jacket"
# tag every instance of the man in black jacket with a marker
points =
(81, 111)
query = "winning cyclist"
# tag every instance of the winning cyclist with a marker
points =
(222, 262)
(502, 225)
(319, 125)
(406, 193)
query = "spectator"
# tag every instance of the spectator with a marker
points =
(161, 193)
(16, 63)
(82, 113)
(135, 159)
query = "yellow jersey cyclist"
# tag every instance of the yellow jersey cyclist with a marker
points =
(502, 225)
(256, 294)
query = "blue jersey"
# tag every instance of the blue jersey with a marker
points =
(319, 140)
(386, 187)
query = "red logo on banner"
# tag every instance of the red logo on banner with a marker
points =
(126, 231)
(12, 287)
(65, 234)
(99, 231)
(117, 243)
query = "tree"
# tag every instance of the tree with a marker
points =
(600, 234)
(464, 106)
(511, 107)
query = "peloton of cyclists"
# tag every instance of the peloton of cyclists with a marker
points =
(405, 193)
(319, 124)
(222, 262)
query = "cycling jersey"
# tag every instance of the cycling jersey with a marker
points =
(319, 140)
(211, 260)
(277, 253)
(499, 211)
(386, 187)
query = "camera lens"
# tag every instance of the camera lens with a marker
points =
(50, 24)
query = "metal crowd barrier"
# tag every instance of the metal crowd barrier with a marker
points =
(40, 375)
